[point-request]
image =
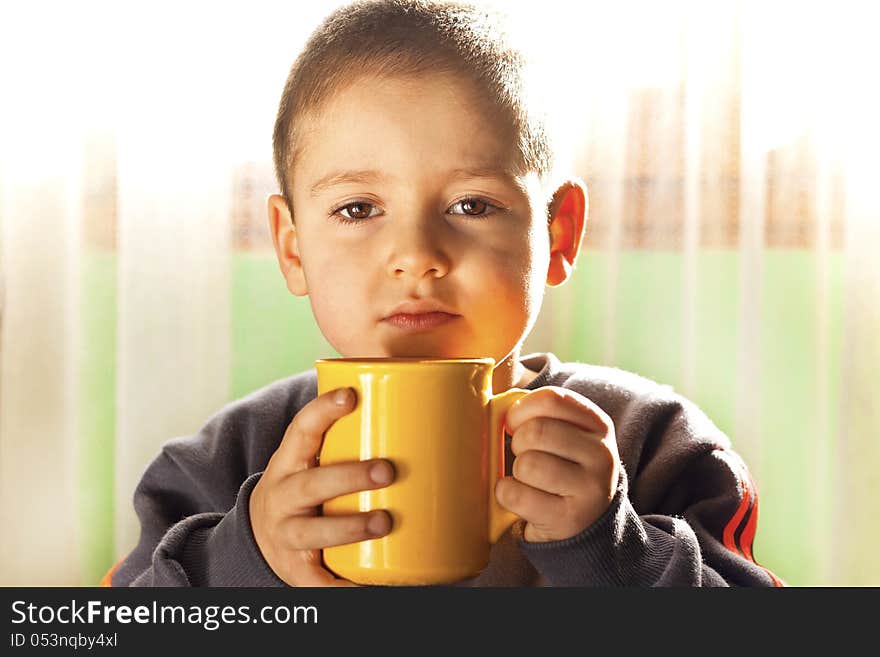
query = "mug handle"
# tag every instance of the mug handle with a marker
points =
(499, 517)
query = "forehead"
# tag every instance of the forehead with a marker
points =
(405, 123)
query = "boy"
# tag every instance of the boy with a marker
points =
(420, 214)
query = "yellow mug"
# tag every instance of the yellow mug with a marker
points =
(441, 427)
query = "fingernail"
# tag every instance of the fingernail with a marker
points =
(378, 524)
(382, 472)
(342, 396)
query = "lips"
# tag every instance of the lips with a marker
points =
(421, 315)
(420, 321)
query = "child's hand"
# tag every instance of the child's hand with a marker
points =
(566, 467)
(284, 503)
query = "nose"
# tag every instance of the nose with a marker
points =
(417, 253)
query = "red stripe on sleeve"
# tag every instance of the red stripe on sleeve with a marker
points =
(748, 505)
(748, 533)
(729, 536)
(107, 579)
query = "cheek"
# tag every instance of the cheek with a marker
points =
(334, 296)
(510, 281)
(329, 267)
(530, 273)
(540, 263)
(533, 260)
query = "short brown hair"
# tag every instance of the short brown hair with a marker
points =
(409, 37)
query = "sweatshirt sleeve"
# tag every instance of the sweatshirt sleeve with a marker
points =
(209, 548)
(623, 548)
(193, 500)
(685, 509)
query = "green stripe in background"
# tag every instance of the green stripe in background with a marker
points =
(649, 312)
(796, 488)
(97, 417)
(796, 461)
(274, 336)
(273, 332)
(649, 307)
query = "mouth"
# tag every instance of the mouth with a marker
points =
(420, 321)
(416, 315)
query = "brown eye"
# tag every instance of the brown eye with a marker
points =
(358, 210)
(473, 207)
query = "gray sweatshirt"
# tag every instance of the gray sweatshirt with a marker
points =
(684, 513)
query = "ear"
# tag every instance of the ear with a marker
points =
(568, 218)
(283, 234)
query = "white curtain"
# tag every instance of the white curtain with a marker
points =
(136, 141)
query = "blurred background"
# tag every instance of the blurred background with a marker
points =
(730, 153)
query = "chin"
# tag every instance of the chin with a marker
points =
(424, 353)
(426, 349)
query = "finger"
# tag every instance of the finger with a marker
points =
(322, 577)
(530, 504)
(562, 404)
(557, 437)
(307, 569)
(326, 578)
(302, 441)
(549, 473)
(309, 488)
(313, 533)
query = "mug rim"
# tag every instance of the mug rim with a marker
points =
(404, 361)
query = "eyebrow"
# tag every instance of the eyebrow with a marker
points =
(364, 177)
(507, 175)
(371, 177)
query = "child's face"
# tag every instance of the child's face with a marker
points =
(403, 191)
